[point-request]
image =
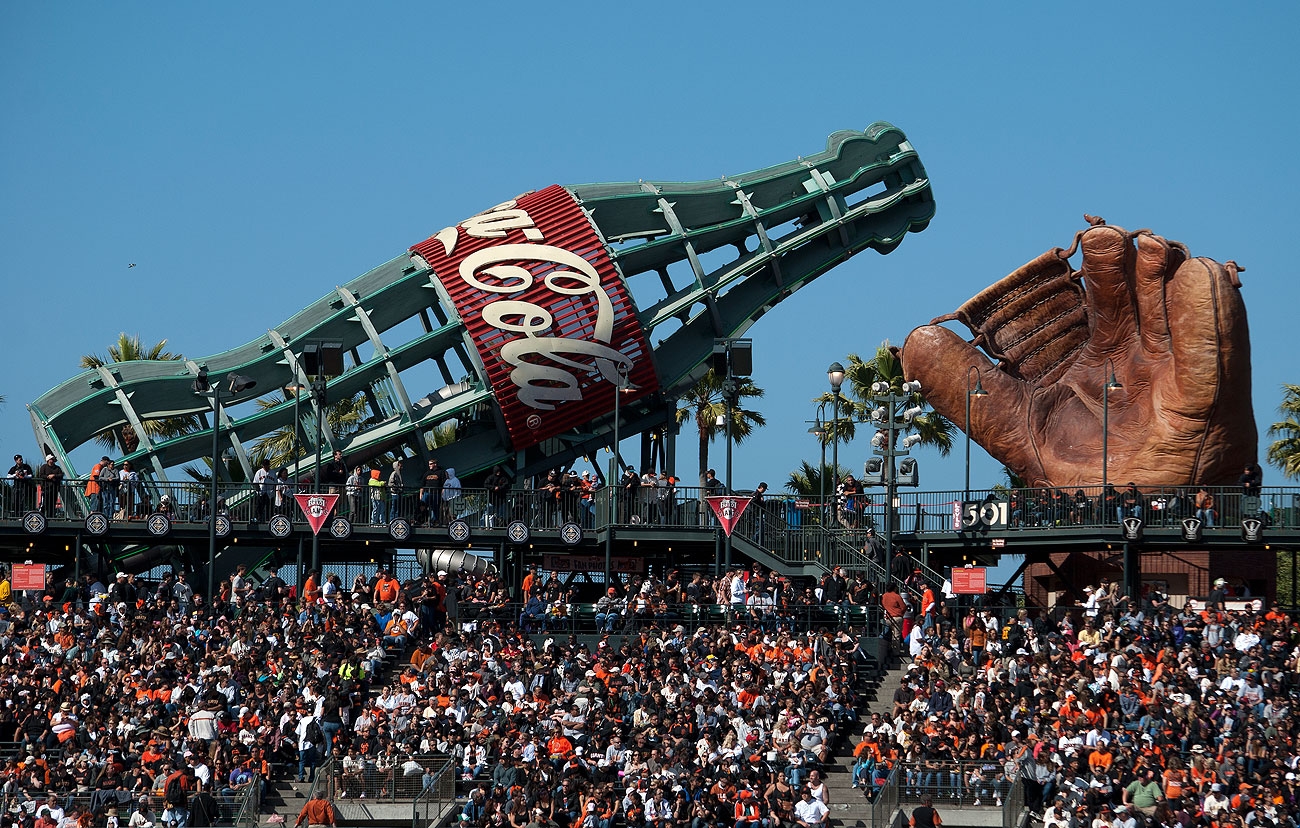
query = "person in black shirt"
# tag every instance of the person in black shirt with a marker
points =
(498, 489)
(51, 480)
(24, 485)
(924, 815)
(431, 491)
(1252, 478)
(335, 474)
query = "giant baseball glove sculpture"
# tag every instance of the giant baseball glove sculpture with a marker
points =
(1174, 330)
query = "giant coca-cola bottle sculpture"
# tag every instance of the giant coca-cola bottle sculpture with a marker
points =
(530, 312)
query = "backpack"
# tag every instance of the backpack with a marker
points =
(314, 733)
(174, 792)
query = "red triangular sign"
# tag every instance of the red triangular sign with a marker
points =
(728, 508)
(316, 508)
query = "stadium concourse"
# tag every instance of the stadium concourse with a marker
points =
(143, 706)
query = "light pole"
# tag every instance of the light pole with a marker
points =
(835, 375)
(1112, 384)
(612, 479)
(819, 431)
(235, 383)
(977, 391)
(893, 414)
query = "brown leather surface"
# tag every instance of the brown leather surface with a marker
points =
(1175, 329)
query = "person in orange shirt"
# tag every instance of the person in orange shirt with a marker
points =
(558, 749)
(311, 589)
(530, 581)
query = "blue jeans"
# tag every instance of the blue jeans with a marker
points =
(331, 731)
(1206, 516)
(378, 512)
(308, 759)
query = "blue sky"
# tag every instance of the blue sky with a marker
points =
(250, 157)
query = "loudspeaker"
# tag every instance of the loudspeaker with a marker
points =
(322, 359)
(719, 360)
(742, 358)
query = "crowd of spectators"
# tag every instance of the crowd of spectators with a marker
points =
(140, 705)
(159, 708)
(1117, 713)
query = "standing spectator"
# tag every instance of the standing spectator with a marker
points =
(24, 485)
(498, 491)
(451, 494)
(356, 489)
(1251, 480)
(93, 489)
(263, 488)
(51, 484)
(378, 499)
(396, 491)
(108, 488)
(317, 812)
(128, 483)
(431, 492)
(335, 474)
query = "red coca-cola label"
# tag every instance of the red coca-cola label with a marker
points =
(547, 311)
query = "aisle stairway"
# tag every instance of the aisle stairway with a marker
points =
(850, 808)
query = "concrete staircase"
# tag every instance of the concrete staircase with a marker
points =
(849, 806)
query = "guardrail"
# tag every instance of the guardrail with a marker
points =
(885, 805)
(565, 617)
(430, 803)
(968, 783)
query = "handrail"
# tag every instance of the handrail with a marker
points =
(885, 804)
(250, 803)
(434, 796)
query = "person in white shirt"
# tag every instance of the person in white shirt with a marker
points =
(809, 812)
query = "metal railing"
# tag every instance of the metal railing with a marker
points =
(563, 617)
(885, 805)
(249, 804)
(1015, 812)
(966, 783)
(428, 809)
(679, 507)
(380, 785)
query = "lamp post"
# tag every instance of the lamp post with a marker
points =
(819, 431)
(893, 414)
(835, 375)
(1112, 384)
(612, 479)
(977, 391)
(235, 383)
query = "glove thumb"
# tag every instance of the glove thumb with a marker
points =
(942, 361)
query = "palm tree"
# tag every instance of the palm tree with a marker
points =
(705, 405)
(129, 349)
(884, 366)
(1285, 450)
(342, 418)
(806, 481)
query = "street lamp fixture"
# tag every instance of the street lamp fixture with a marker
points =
(1112, 384)
(977, 391)
(233, 384)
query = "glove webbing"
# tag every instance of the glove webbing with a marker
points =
(1033, 321)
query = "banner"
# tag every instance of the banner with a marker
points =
(592, 563)
(970, 580)
(27, 577)
(728, 508)
(316, 508)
